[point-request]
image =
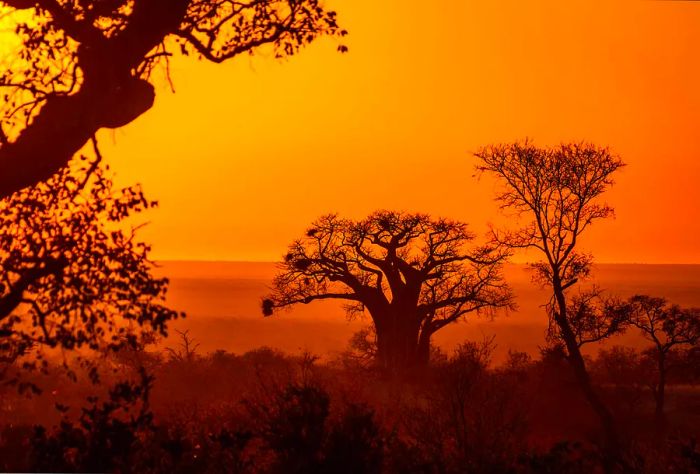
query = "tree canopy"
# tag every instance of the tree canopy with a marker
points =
(83, 65)
(556, 191)
(413, 274)
(666, 325)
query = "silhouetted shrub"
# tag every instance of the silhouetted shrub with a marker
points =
(291, 422)
(266, 412)
(106, 437)
(469, 419)
(563, 458)
(355, 443)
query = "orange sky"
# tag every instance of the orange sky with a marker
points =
(244, 155)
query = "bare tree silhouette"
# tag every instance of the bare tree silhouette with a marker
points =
(84, 65)
(557, 192)
(413, 274)
(668, 327)
(187, 352)
(72, 275)
(592, 317)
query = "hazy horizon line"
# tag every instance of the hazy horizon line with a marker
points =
(188, 260)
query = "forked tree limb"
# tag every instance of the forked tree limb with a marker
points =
(111, 92)
(109, 97)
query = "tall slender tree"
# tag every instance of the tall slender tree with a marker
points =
(557, 193)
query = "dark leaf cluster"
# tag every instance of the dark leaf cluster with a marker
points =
(72, 273)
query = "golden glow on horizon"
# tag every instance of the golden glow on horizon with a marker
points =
(246, 154)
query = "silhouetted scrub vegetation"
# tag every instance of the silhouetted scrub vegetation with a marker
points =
(265, 411)
(79, 304)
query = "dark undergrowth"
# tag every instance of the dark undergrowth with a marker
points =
(268, 412)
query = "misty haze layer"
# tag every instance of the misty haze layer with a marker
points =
(222, 302)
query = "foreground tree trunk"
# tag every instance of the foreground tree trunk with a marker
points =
(65, 125)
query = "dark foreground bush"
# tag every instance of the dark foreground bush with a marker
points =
(265, 412)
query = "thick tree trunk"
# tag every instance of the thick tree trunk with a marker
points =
(399, 345)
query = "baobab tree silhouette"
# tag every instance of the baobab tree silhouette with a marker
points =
(413, 274)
